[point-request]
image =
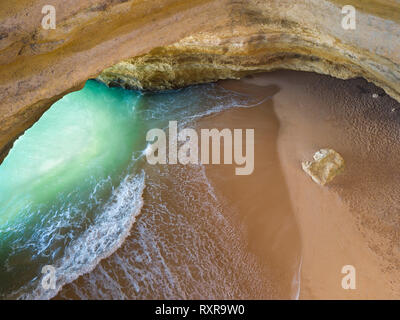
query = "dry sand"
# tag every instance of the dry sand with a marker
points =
(354, 220)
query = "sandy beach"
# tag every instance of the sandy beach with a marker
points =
(351, 221)
(275, 234)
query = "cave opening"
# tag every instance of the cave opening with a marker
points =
(76, 192)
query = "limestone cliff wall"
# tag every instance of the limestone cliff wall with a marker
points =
(267, 35)
(162, 44)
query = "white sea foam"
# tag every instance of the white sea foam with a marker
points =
(99, 241)
(296, 282)
(112, 226)
(159, 273)
(185, 247)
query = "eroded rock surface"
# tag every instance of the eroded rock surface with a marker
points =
(167, 44)
(327, 164)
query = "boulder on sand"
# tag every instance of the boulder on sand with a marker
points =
(327, 165)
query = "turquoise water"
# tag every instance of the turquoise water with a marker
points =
(59, 179)
(73, 184)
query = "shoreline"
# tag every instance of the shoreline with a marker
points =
(313, 113)
(274, 234)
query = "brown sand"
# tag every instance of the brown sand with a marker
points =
(262, 198)
(352, 221)
(275, 233)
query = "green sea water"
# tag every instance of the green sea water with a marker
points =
(58, 178)
(72, 186)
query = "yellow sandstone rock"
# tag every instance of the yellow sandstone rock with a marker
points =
(326, 166)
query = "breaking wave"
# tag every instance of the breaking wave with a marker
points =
(75, 205)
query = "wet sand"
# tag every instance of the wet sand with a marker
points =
(261, 199)
(352, 221)
(274, 234)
